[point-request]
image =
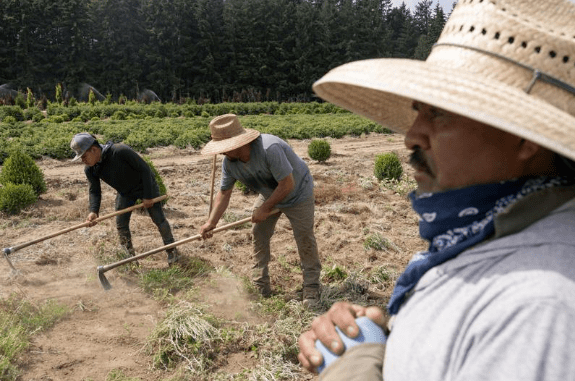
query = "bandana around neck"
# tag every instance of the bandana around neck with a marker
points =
(455, 220)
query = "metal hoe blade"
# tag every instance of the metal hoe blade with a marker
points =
(107, 286)
(7, 251)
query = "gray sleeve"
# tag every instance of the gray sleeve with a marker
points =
(227, 181)
(360, 363)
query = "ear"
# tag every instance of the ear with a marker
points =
(528, 149)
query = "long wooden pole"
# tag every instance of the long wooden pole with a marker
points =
(212, 184)
(87, 223)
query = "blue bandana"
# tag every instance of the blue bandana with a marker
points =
(455, 220)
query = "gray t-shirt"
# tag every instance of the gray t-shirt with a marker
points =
(271, 160)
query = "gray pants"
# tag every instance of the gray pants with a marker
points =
(301, 217)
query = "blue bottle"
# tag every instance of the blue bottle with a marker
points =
(369, 332)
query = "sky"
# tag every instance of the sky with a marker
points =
(445, 4)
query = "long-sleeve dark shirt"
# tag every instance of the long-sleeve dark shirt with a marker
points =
(125, 171)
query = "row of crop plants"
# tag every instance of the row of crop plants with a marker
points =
(53, 139)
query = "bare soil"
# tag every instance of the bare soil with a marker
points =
(107, 330)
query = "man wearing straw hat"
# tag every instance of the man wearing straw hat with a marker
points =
(267, 165)
(490, 119)
(125, 171)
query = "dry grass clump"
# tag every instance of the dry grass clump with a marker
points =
(185, 334)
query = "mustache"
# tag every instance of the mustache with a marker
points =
(417, 160)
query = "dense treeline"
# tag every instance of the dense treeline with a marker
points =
(216, 50)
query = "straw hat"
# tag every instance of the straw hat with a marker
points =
(506, 63)
(227, 135)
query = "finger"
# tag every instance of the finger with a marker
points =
(376, 315)
(324, 329)
(309, 356)
(343, 315)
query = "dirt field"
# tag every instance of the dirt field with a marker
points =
(107, 329)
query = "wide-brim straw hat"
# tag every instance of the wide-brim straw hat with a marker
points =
(506, 63)
(227, 135)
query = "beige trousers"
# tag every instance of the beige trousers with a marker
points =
(301, 217)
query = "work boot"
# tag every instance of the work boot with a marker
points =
(127, 246)
(310, 296)
(173, 256)
(264, 290)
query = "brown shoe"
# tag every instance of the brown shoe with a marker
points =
(264, 290)
(310, 296)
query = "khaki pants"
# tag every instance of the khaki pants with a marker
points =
(301, 217)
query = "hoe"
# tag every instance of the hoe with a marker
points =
(103, 269)
(9, 250)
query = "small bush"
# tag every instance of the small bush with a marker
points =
(378, 242)
(38, 117)
(15, 197)
(335, 274)
(242, 187)
(30, 100)
(9, 119)
(31, 112)
(119, 115)
(319, 150)
(20, 100)
(19, 168)
(56, 119)
(387, 166)
(158, 178)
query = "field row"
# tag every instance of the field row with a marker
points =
(52, 139)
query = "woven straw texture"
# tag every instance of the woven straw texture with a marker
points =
(485, 80)
(227, 135)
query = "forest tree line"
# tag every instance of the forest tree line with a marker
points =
(216, 50)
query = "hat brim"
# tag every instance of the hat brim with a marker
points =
(383, 90)
(79, 156)
(230, 144)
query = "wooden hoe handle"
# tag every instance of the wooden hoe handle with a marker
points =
(87, 223)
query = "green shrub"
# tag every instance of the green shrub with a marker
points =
(30, 100)
(387, 166)
(56, 119)
(378, 242)
(38, 117)
(9, 119)
(14, 111)
(59, 93)
(119, 115)
(319, 150)
(91, 97)
(20, 101)
(15, 197)
(32, 111)
(242, 188)
(19, 168)
(335, 274)
(158, 178)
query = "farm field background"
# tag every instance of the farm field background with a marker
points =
(366, 233)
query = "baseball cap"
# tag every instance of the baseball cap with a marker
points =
(80, 144)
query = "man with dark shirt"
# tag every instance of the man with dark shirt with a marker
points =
(125, 171)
